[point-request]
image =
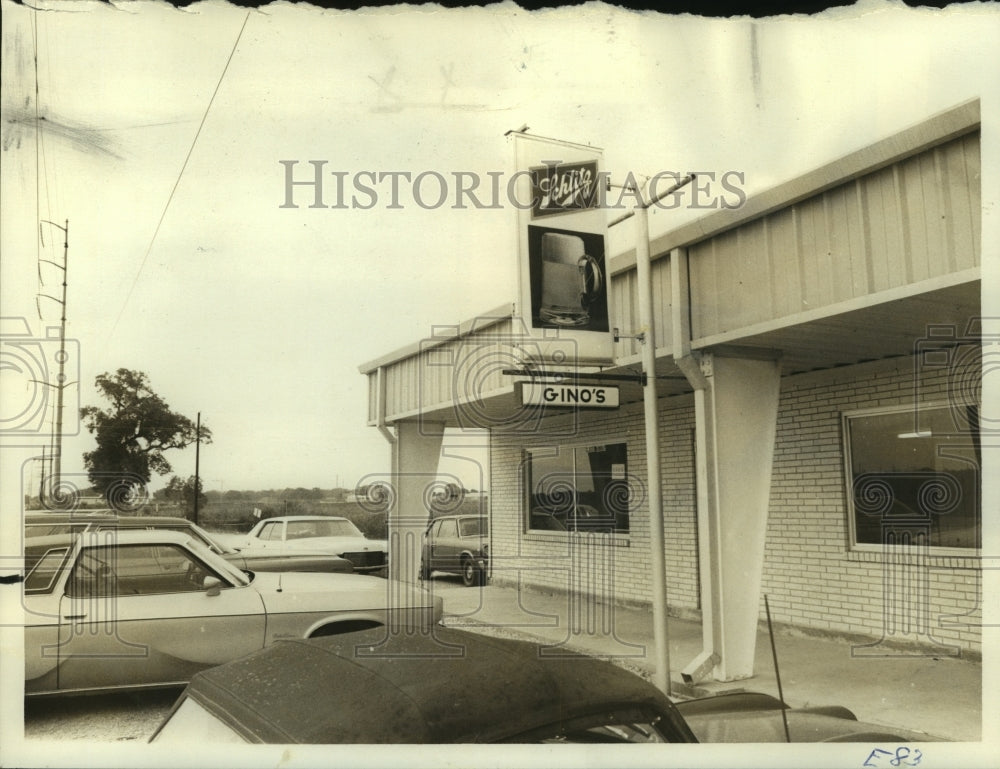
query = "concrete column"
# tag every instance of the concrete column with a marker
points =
(415, 455)
(737, 430)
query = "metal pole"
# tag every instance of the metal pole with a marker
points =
(197, 459)
(777, 674)
(61, 379)
(657, 538)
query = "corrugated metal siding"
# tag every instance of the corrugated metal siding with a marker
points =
(911, 221)
(373, 398)
(452, 372)
(624, 303)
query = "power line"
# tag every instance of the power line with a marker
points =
(180, 175)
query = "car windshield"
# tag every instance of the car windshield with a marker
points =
(324, 527)
(209, 541)
(630, 725)
(610, 733)
(236, 576)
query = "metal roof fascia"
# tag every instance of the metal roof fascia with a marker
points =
(934, 131)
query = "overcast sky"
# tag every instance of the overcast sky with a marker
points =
(184, 265)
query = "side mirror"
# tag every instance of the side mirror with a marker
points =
(212, 585)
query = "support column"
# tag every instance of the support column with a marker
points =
(737, 430)
(415, 455)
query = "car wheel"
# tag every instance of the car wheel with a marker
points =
(471, 575)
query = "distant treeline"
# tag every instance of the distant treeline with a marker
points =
(313, 494)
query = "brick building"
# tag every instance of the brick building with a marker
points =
(819, 361)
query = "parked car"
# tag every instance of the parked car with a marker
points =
(40, 524)
(331, 534)
(125, 608)
(459, 687)
(458, 544)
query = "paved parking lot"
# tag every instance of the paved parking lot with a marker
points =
(938, 695)
(106, 717)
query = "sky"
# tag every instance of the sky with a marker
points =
(159, 134)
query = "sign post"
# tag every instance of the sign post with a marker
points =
(657, 536)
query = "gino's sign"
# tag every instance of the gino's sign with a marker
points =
(572, 396)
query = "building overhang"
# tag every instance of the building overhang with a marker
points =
(455, 376)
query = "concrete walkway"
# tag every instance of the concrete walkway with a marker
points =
(938, 695)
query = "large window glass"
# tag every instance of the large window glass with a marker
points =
(581, 488)
(914, 477)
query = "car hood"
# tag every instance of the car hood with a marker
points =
(758, 718)
(301, 591)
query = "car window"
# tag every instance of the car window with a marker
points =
(136, 570)
(632, 725)
(608, 733)
(47, 529)
(45, 571)
(447, 528)
(472, 527)
(300, 530)
(336, 528)
(270, 531)
(192, 531)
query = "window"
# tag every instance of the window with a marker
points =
(913, 477)
(270, 531)
(446, 528)
(46, 570)
(582, 488)
(136, 570)
(301, 530)
(472, 527)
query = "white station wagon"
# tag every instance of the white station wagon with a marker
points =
(122, 609)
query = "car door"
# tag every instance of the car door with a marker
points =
(139, 614)
(41, 619)
(445, 545)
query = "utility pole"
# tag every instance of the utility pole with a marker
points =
(61, 357)
(197, 460)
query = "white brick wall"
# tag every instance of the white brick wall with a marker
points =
(811, 577)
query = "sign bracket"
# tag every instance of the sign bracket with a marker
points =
(599, 376)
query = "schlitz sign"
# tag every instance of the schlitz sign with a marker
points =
(558, 188)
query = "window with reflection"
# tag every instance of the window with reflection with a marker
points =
(578, 488)
(914, 477)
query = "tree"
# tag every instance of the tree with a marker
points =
(182, 492)
(132, 435)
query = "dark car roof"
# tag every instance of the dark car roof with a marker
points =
(103, 516)
(452, 686)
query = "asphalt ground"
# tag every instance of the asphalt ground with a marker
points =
(937, 694)
(924, 690)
